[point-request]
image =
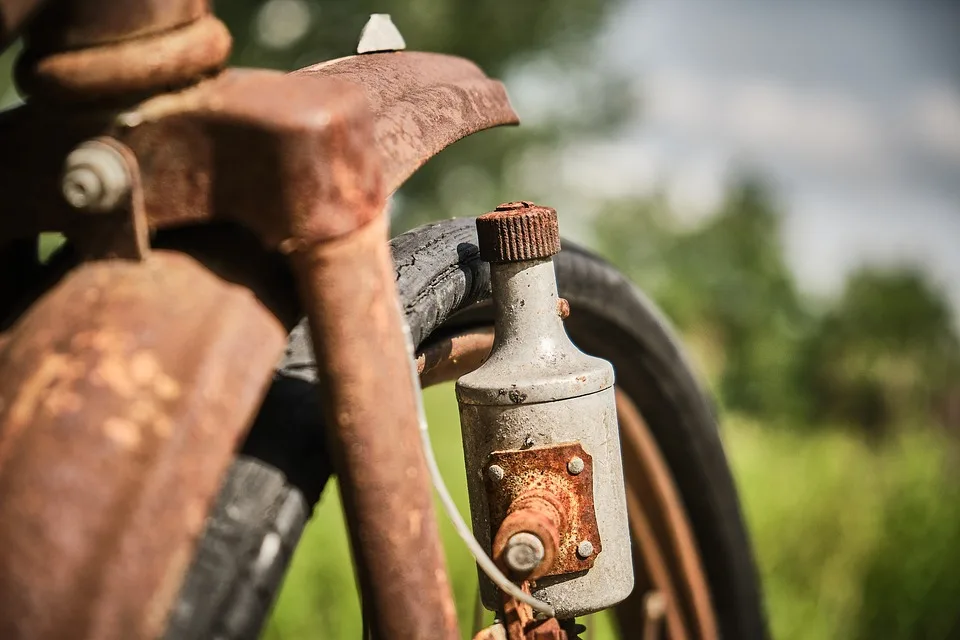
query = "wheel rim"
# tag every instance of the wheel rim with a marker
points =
(671, 589)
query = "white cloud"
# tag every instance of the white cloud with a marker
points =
(612, 170)
(828, 233)
(760, 116)
(697, 186)
(935, 118)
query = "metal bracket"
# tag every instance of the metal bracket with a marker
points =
(120, 230)
(562, 473)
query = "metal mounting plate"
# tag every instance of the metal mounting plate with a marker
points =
(545, 469)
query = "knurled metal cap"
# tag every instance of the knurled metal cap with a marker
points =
(518, 231)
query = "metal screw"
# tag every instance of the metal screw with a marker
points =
(523, 553)
(495, 472)
(575, 466)
(95, 177)
(585, 549)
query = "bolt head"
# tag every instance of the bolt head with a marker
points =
(82, 187)
(524, 553)
(95, 177)
(585, 549)
(575, 466)
(495, 472)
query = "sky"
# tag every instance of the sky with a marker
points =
(850, 108)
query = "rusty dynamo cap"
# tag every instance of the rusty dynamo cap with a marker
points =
(518, 231)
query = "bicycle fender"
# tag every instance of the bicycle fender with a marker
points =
(421, 103)
(124, 393)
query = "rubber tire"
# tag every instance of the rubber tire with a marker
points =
(443, 284)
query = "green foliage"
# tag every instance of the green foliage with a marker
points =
(853, 541)
(725, 282)
(883, 353)
(880, 355)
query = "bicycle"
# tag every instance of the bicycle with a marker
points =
(157, 467)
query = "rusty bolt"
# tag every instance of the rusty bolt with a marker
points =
(95, 178)
(585, 549)
(575, 466)
(563, 308)
(495, 472)
(524, 553)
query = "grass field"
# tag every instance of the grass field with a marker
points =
(853, 541)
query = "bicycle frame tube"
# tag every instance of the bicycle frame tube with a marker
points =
(304, 161)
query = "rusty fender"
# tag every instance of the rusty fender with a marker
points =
(246, 143)
(123, 394)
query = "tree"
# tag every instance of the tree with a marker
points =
(884, 353)
(726, 285)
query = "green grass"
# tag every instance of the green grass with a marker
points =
(853, 541)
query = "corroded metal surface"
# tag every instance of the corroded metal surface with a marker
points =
(75, 24)
(290, 158)
(304, 162)
(537, 477)
(452, 356)
(129, 67)
(124, 391)
(520, 623)
(287, 156)
(347, 285)
(518, 231)
(422, 103)
(122, 232)
(660, 526)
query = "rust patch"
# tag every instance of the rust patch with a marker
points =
(540, 475)
(521, 624)
(450, 357)
(294, 158)
(119, 413)
(421, 102)
(349, 294)
(136, 66)
(518, 231)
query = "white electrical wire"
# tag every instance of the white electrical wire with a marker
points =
(486, 564)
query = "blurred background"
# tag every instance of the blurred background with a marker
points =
(784, 180)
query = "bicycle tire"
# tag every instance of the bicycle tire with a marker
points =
(443, 284)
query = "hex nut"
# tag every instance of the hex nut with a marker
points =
(585, 549)
(523, 553)
(575, 466)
